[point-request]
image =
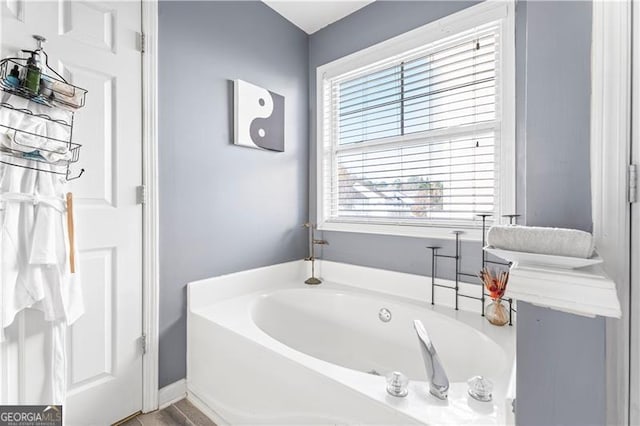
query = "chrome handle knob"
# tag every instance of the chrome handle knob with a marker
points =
(398, 384)
(480, 388)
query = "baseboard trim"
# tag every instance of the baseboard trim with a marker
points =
(172, 393)
(202, 406)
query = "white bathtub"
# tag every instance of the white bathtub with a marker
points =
(263, 347)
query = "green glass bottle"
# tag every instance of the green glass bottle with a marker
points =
(32, 77)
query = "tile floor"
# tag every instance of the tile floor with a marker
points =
(181, 413)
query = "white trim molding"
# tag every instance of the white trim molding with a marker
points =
(634, 405)
(172, 393)
(584, 291)
(610, 154)
(151, 207)
(415, 231)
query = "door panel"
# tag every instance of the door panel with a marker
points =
(94, 45)
(99, 125)
(97, 359)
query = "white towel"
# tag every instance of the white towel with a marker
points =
(43, 139)
(532, 239)
(46, 149)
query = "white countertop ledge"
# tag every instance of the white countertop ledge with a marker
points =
(584, 291)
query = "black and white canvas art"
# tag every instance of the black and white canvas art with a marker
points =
(259, 117)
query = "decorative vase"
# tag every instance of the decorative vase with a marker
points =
(497, 313)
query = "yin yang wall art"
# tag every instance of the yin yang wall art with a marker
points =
(258, 117)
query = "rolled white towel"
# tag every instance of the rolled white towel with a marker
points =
(532, 239)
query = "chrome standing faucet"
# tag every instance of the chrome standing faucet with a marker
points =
(312, 253)
(437, 377)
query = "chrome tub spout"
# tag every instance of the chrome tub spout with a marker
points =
(437, 377)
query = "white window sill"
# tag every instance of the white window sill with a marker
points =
(415, 231)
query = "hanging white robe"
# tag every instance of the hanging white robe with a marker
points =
(34, 247)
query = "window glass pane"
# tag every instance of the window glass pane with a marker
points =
(450, 179)
(369, 107)
(449, 87)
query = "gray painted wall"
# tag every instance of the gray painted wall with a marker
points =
(558, 96)
(560, 356)
(224, 208)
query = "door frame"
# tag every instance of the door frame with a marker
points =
(150, 240)
(610, 155)
(634, 404)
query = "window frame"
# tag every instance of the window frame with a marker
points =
(483, 13)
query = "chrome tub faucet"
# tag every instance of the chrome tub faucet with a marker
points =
(437, 377)
(312, 253)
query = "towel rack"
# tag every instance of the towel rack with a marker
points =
(25, 147)
(457, 257)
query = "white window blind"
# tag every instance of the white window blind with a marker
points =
(414, 139)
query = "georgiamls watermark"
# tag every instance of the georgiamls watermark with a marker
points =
(30, 415)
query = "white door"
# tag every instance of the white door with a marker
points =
(95, 46)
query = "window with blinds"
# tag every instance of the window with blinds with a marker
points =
(414, 139)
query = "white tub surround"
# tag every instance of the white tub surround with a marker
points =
(263, 347)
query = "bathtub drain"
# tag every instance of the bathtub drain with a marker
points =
(384, 314)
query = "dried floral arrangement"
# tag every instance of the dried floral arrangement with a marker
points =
(496, 284)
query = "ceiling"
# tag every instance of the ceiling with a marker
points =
(312, 15)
